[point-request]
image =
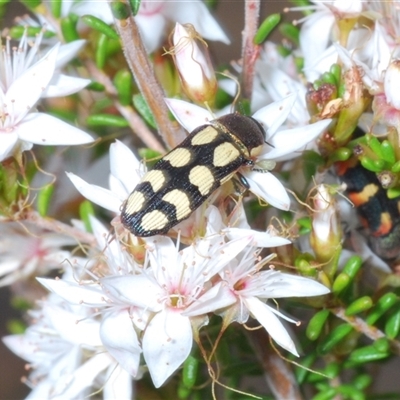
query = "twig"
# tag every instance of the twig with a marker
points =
(58, 227)
(250, 51)
(361, 326)
(142, 70)
(135, 121)
(279, 376)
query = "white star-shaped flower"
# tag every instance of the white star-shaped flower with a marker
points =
(24, 79)
(245, 290)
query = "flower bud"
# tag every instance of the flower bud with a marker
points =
(326, 234)
(193, 64)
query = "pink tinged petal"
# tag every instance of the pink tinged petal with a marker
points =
(167, 343)
(272, 116)
(8, 141)
(196, 13)
(68, 326)
(219, 296)
(46, 130)
(260, 239)
(118, 384)
(98, 195)
(188, 115)
(271, 323)
(29, 87)
(119, 337)
(64, 85)
(137, 290)
(269, 188)
(124, 165)
(74, 293)
(291, 140)
(152, 28)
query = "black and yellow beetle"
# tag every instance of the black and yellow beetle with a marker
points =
(185, 177)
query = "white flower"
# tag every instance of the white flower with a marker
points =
(27, 251)
(66, 356)
(24, 79)
(246, 289)
(317, 33)
(126, 172)
(280, 143)
(173, 281)
(119, 319)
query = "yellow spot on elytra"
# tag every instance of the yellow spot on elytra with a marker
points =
(181, 202)
(156, 179)
(207, 135)
(179, 157)
(363, 196)
(256, 151)
(135, 202)
(154, 220)
(203, 178)
(224, 154)
(385, 226)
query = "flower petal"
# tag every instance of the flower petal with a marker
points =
(25, 91)
(189, 115)
(272, 116)
(291, 140)
(119, 337)
(271, 323)
(167, 343)
(125, 166)
(219, 296)
(137, 290)
(98, 195)
(69, 50)
(269, 188)
(260, 239)
(75, 293)
(196, 13)
(64, 85)
(152, 28)
(46, 130)
(288, 285)
(84, 332)
(118, 385)
(8, 142)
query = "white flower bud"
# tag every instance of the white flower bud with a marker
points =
(193, 64)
